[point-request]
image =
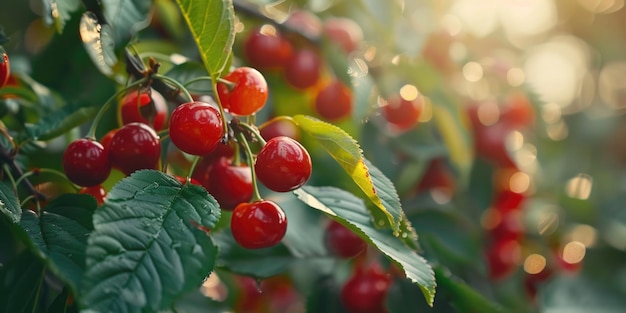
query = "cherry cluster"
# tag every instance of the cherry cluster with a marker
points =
(268, 48)
(200, 129)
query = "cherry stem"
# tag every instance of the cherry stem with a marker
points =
(219, 105)
(256, 196)
(192, 168)
(38, 171)
(176, 84)
(254, 132)
(96, 120)
(228, 83)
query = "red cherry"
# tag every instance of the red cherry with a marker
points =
(106, 140)
(502, 258)
(196, 127)
(5, 69)
(344, 32)
(366, 290)
(508, 200)
(342, 242)
(183, 180)
(402, 114)
(145, 106)
(283, 164)
(86, 162)
(249, 93)
(230, 184)
(490, 144)
(334, 101)
(259, 224)
(97, 191)
(135, 146)
(507, 225)
(517, 111)
(437, 176)
(304, 69)
(305, 22)
(280, 128)
(266, 48)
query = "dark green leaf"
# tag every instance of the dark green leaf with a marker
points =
(463, 296)
(187, 71)
(9, 205)
(19, 283)
(347, 152)
(60, 235)
(212, 24)
(259, 263)
(149, 245)
(126, 17)
(58, 12)
(61, 121)
(350, 211)
(325, 297)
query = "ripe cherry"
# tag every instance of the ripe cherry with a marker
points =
(196, 127)
(342, 242)
(135, 146)
(334, 101)
(517, 111)
(344, 32)
(5, 69)
(266, 48)
(183, 180)
(490, 144)
(97, 191)
(260, 224)
(304, 69)
(144, 106)
(304, 22)
(106, 139)
(86, 162)
(280, 128)
(248, 93)
(366, 290)
(283, 164)
(230, 184)
(502, 257)
(402, 114)
(438, 177)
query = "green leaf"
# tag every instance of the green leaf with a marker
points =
(212, 25)
(19, 283)
(259, 263)
(149, 245)
(463, 296)
(59, 12)
(350, 211)
(126, 17)
(60, 235)
(61, 121)
(187, 71)
(346, 151)
(9, 205)
(99, 43)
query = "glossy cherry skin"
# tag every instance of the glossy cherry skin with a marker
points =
(106, 139)
(342, 242)
(249, 93)
(86, 162)
(135, 146)
(259, 224)
(267, 50)
(280, 128)
(334, 101)
(196, 128)
(304, 69)
(5, 69)
(230, 184)
(366, 290)
(344, 32)
(283, 164)
(402, 114)
(144, 106)
(97, 192)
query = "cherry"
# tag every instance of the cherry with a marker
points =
(402, 114)
(280, 128)
(196, 127)
(266, 48)
(230, 184)
(249, 93)
(305, 22)
(437, 176)
(342, 242)
(145, 106)
(334, 101)
(283, 164)
(490, 144)
(183, 180)
(304, 69)
(260, 224)
(365, 291)
(86, 162)
(344, 32)
(5, 69)
(502, 257)
(106, 140)
(508, 200)
(97, 191)
(135, 146)
(517, 112)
